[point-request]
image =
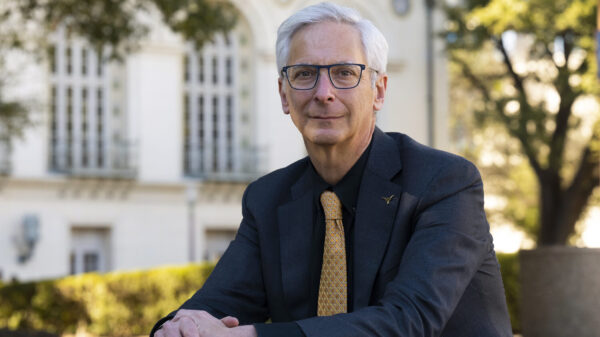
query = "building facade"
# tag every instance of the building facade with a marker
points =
(142, 163)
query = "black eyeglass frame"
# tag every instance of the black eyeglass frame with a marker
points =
(328, 67)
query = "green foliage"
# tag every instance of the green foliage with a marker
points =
(526, 65)
(13, 119)
(509, 267)
(521, 208)
(13, 116)
(115, 25)
(191, 17)
(30, 306)
(109, 23)
(116, 304)
(129, 303)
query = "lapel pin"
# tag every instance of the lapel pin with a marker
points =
(388, 199)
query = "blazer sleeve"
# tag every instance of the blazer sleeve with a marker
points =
(450, 241)
(235, 287)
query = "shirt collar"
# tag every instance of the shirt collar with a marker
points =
(347, 188)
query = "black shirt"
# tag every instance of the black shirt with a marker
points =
(347, 191)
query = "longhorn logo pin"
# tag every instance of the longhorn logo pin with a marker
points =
(388, 199)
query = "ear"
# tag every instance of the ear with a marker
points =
(282, 94)
(380, 88)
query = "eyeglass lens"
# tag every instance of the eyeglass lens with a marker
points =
(342, 76)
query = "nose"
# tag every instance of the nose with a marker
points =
(324, 89)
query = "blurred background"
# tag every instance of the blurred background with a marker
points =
(130, 129)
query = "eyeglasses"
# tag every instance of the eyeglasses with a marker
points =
(306, 76)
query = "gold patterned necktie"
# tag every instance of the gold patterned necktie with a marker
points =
(333, 286)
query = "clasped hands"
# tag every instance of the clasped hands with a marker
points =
(198, 323)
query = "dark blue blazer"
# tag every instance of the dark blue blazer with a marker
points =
(424, 263)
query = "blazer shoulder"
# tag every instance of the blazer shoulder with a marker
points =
(421, 163)
(277, 184)
(284, 174)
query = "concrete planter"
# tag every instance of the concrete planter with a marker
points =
(560, 292)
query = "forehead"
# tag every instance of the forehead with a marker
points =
(326, 42)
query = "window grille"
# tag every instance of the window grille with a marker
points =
(80, 123)
(213, 144)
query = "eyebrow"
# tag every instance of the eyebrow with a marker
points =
(318, 64)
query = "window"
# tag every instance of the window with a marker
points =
(89, 250)
(215, 137)
(91, 262)
(69, 56)
(84, 61)
(217, 241)
(214, 108)
(52, 59)
(82, 92)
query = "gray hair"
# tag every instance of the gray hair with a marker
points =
(374, 44)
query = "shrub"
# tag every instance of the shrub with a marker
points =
(117, 304)
(129, 303)
(509, 266)
(10, 333)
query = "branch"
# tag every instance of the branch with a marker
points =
(550, 54)
(522, 134)
(567, 38)
(589, 165)
(588, 173)
(485, 92)
(511, 70)
(585, 181)
(475, 81)
(568, 96)
(559, 136)
(567, 99)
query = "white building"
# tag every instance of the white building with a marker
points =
(144, 163)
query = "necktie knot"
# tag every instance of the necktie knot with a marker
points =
(331, 206)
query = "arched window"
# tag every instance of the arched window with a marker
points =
(217, 127)
(86, 117)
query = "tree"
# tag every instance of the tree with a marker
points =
(113, 24)
(535, 94)
(13, 119)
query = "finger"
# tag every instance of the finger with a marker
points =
(180, 313)
(188, 328)
(230, 322)
(203, 317)
(169, 329)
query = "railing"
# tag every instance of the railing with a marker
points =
(118, 162)
(250, 165)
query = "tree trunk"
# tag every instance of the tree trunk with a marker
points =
(551, 218)
(561, 208)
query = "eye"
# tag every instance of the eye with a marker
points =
(344, 71)
(304, 73)
(301, 73)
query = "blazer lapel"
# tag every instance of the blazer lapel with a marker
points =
(377, 204)
(295, 220)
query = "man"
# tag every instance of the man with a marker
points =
(371, 235)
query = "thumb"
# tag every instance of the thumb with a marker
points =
(230, 322)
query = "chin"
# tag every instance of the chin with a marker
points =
(326, 137)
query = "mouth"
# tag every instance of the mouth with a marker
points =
(326, 118)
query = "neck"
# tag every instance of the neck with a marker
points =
(332, 162)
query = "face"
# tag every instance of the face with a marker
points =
(324, 115)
